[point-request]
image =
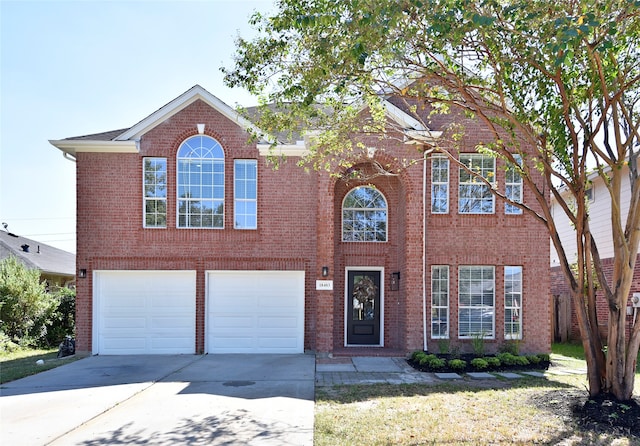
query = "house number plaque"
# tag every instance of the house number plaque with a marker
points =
(324, 285)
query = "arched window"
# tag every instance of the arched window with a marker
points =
(200, 183)
(364, 216)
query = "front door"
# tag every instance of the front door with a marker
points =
(363, 308)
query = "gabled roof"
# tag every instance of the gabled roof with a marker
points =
(127, 140)
(37, 255)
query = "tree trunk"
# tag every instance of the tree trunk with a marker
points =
(589, 340)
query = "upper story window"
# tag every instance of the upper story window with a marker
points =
(475, 197)
(245, 178)
(200, 183)
(364, 216)
(513, 187)
(154, 179)
(439, 185)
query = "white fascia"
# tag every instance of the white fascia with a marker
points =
(283, 150)
(73, 146)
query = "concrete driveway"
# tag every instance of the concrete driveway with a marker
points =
(212, 399)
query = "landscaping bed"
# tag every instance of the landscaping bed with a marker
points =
(470, 362)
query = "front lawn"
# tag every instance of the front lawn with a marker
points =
(468, 412)
(20, 363)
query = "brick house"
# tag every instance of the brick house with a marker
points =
(190, 242)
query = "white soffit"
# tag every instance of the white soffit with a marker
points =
(73, 146)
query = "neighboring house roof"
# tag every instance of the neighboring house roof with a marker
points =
(37, 255)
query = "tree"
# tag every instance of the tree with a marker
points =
(560, 77)
(25, 306)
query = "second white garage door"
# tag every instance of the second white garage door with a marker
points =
(255, 312)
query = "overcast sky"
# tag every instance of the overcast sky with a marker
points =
(80, 67)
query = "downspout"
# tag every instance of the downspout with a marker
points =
(424, 251)
(69, 157)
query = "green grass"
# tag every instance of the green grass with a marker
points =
(569, 354)
(20, 363)
(466, 412)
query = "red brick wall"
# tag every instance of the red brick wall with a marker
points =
(110, 215)
(299, 228)
(559, 286)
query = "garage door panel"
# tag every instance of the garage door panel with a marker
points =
(230, 321)
(278, 322)
(271, 343)
(255, 312)
(144, 312)
(183, 324)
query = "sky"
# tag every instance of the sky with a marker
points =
(71, 68)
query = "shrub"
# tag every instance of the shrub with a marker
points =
(455, 352)
(426, 359)
(457, 364)
(436, 363)
(479, 364)
(477, 344)
(443, 346)
(415, 356)
(512, 347)
(533, 359)
(493, 362)
(544, 357)
(63, 318)
(506, 358)
(521, 360)
(26, 306)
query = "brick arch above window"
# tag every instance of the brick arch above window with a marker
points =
(364, 215)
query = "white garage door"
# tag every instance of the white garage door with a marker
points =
(144, 312)
(255, 312)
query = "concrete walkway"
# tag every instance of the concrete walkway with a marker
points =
(372, 370)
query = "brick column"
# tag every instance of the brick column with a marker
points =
(325, 257)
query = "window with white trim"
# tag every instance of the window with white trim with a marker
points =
(513, 302)
(364, 216)
(474, 196)
(154, 178)
(245, 193)
(476, 302)
(200, 183)
(439, 185)
(440, 302)
(513, 187)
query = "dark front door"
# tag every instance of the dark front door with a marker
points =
(363, 307)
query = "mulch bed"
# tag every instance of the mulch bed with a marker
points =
(542, 365)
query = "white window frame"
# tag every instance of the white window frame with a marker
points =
(439, 288)
(215, 188)
(513, 187)
(153, 198)
(365, 210)
(483, 309)
(475, 162)
(516, 291)
(438, 183)
(243, 200)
